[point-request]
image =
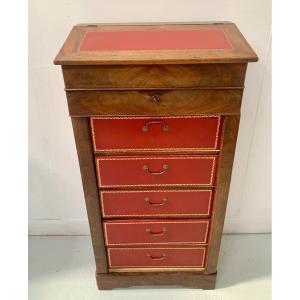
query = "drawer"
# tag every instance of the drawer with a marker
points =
(142, 171)
(151, 258)
(155, 102)
(139, 232)
(185, 133)
(173, 203)
(154, 76)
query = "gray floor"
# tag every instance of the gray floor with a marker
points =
(62, 268)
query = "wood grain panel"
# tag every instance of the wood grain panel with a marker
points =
(154, 103)
(187, 279)
(88, 175)
(154, 76)
(231, 125)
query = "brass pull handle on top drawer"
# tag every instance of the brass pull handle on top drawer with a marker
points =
(164, 201)
(165, 127)
(165, 169)
(163, 232)
(157, 257)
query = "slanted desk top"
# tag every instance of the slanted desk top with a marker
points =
(155, 44)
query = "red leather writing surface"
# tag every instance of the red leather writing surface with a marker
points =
(154, 40)
(125, 171)
(126, 133)
(156, 257)
(156, 203)
(135, 232)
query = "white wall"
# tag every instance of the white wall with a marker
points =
(56, 204)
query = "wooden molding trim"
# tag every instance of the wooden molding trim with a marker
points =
(89, 181)
(190, 279)
(228, 143)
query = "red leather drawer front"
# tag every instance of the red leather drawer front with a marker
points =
(186, 133)
(184, 257)
(156, 203)
(125, 171)
(138, 232)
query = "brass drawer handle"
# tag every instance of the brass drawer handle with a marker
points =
(163, 232)
(165, 127)
(165, 200)
(157, 257)
(165, 169)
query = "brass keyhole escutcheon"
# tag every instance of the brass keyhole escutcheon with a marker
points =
(155, 99)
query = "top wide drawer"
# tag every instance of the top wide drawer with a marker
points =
(180, 134)
(175, 102)
(154, 76)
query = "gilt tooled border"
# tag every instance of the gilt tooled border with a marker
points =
(105, 224)
(157, 248)
(166, 269)
(157, 214)
(182, 149)
(210, 183)
(146, 51)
